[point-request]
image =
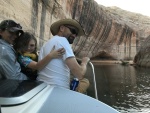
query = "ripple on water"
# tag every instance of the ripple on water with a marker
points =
(136, 103)
(125, 88)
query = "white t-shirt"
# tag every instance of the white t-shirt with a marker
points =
(56, 72)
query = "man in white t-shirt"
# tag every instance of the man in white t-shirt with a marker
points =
(57, 72)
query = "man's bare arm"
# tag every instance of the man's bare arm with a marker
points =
(76, 69)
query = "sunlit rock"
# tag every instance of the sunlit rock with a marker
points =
(111, 32)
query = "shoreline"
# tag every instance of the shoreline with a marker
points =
(98, 62)
(110, 62)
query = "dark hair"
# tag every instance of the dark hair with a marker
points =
(21, 43)
(8, 24)
(11, 26)
(2, 27)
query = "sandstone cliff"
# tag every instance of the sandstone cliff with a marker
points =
(111, 32)
(142, 57)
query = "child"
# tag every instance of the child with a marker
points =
(26, 47)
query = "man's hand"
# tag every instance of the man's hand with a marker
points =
(85, 60)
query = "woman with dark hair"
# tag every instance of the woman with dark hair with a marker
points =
(26, 47)
(9, 67)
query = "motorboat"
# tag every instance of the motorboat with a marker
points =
(26, 96)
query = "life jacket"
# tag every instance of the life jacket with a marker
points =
(30, 73)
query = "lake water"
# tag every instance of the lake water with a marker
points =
(125, 88)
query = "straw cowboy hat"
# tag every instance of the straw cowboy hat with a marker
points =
(55, 26)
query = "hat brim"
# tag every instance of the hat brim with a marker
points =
(15, 29)
(55, 26)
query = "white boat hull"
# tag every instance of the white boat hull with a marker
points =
(59, 100)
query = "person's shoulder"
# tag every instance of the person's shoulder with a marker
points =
(56, 37)
(4, 48)
(4, 45)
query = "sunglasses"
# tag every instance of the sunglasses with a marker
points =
(15, 33)
(72, 30)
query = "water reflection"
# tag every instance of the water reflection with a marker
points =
(126, 88)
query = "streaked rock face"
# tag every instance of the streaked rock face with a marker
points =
(111, 32)
(142, 58)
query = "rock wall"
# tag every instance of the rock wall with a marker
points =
(111, 32)
(35, 16)
(142, 58)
